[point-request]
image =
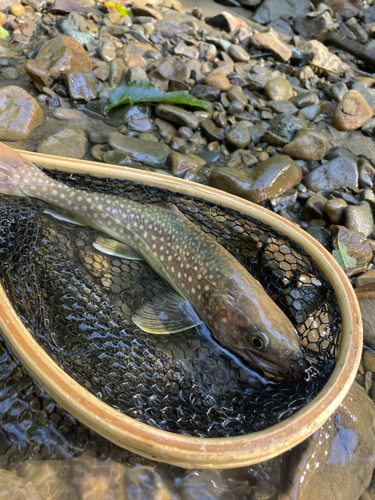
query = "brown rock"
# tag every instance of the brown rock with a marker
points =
(16, 9)
(270, 178)
(211, 131)
(20, 113)
(135, 49)
(81, 86)
(136, 62)
(307, 144)
(322, 58)
(366, 299)
(235, 93)
(58, 57)
(271, 41)
(218, 80)
(226, 22)
(352, 112)
(365, 278)
(139, 10)
(335, 209)
(278, 89)
(181, 164)
(367, 82)
(337, 461)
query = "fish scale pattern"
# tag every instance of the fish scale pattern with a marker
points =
(78, 304)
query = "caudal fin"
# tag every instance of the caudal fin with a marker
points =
(15, 172)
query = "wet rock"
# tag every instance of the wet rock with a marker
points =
(58, 57)
(364, 279)
(211, 131)
(305, 99)
(177, 115)
(10, 74)
(271, 41)
(338, 91)
(136, 75)
(283, 107)
(16, 9)
(270, 10)
(235, 93)
(116, 157)
(141, 125)
(235, 108)
(20, 114)
(338, 173)
(357, 247)
(319, 234)
(366, 299)
(256, 133)
(146, 484)
(73, 115)
(238, 136)
(314, 206)
(218, 80)
(81, 86)
(278, 89)
(241, 158)
(338, 456)
(352, 112)
(270, 178)
(136, 112)
(284, 201)
(359, 218)
(69, 143)
(238, 53)
(205, 92)
(337, 152)
(182, 164)
(335, 209)
(117, 70)
(311, 112)
(171, 68)
(146, 152)
(285, 126)
(309, 145)
(226, 21)
(184, 50)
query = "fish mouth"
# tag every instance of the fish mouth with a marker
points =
(267, 366)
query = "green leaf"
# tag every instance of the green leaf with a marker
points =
(342, 256)
(142, 91)
(4, 34)
(120, 8)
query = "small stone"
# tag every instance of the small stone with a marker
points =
(16, 9)
(211, 131)
(310, 145)
(238, 53)
(352, 112)
(364, 181)
(270, 178)
(177, 115)
(116, 157)
(368, 358)
(146, 152)
(136, 75)
(311, 112)
(69, 143)
(183, 50)
(73, 115)
(278, 89)
(143, 10)
(181, 164)
(335, 174)
(319, 234)
(136, 62)
(283, 107)
(238, 136)
(335, 209)
(102, 73)
(271, 41)
(81, 86)
(285, 126)
(314, 206)
(305, 99)
(226, 22)
(236, 93)
(136, 112)
(141, 125)
(256, 133)
(263, 156)
(364, 279)
(10, 74)
(235, 108)
(218, 80)
(117, 70)
(205, 92)
(338, 91)
(20, 114)
(359, 218)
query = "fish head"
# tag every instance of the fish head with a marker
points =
(265, 338)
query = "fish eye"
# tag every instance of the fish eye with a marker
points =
(259, 340)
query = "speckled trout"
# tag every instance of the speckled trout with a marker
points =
(208, 284)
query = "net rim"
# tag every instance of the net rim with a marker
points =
(177, 449)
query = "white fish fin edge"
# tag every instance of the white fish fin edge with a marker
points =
(169, 313)
(61, 215)
(115, 248)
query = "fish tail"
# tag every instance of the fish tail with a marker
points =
(16, 172)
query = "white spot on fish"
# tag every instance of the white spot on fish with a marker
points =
(62, 195)
(193, 290)
(162, 257)
(79, 198)
(170, 258)
(206, 288)
(190, 279)
(54, 192)
(178, 275)
(145, 234)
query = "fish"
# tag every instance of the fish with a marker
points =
(208, 285)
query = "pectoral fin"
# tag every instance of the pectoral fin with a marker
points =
(60, 214)
(169, 313)
(115, 248)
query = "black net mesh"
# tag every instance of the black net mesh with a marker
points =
(78, 304)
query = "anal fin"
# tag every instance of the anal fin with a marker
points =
(115, 248)
(169, 313)
(60, 214)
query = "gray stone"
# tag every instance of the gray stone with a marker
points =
(359, 218)
(238, 53)
(269, 10)
(364, 181)
(338, 152)
(338, 173)
(116, 157)
(256, 133)
(305, 99)
(283, 107)
(338, 91)
(308, 25)
(205, 92)
(311, 112)
(136, 75)
(285, 125)
(69, 143)
(177, 115)
(366, 94)
(238, 136)
(146, 152)
(319, 234)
